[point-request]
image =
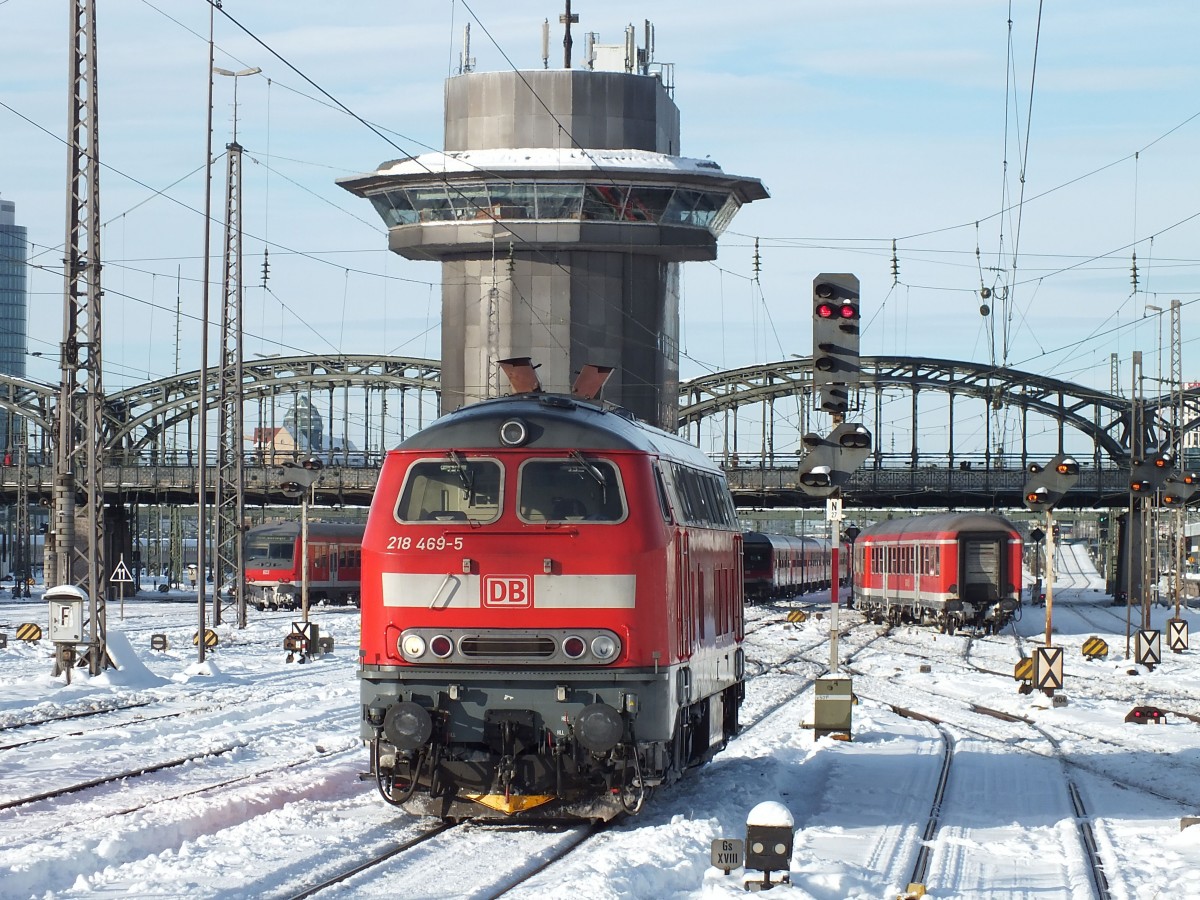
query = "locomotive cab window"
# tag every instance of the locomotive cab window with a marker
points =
(269, 551)
(451, 489)
(576, 489)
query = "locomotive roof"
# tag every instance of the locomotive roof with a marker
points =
(554, 422)
(953, 521)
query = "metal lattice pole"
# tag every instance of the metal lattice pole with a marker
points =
(1177, 420)
(23, 563)
(230, 488)
(78, 551)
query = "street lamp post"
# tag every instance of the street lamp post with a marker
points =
(255, 70)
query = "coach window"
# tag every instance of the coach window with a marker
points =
(575, 489)
(929, 560)
(451, 489)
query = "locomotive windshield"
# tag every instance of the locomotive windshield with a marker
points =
(451, 489)
(570, 490)
(269, 551)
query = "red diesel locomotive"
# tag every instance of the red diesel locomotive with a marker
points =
(552, 611)
(949, 570)
(273, 555)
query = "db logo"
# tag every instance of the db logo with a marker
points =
(507, 590)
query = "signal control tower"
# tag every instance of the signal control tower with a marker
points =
(560, 210)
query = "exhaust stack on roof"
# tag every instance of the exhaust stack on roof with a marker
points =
(591, 381)
(521, 375)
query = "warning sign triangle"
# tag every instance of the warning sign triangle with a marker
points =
(121, 573)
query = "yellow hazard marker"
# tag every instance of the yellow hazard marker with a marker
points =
(796, 616)
(1095, 648)
(29, 632)
(210, 638)
(1023, 671)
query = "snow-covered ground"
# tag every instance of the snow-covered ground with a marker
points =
(262, 796)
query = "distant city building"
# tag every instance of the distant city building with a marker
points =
(302, 435)
(303, 421)
(14, 303)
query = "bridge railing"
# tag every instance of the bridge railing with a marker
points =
(927, 486)
(149, 483)
(771, 481)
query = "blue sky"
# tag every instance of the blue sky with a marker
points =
(869, 121)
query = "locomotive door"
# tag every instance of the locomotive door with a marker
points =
(685, 600)
(981, 569)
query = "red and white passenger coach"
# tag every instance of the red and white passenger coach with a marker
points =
(274, 569)
(551, 612)
(947, 570)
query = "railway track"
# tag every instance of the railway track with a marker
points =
(923, 869)
(1181, 770)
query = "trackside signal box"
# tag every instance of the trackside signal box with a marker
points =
(65, 605)
(833, 706)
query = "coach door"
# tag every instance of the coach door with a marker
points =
(980, 569)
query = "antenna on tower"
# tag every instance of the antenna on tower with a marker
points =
(545, 43)
(466, 62)
(568, 19)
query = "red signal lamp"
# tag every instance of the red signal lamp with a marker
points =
(1067, 467)
(825, 311)
(1145, 715)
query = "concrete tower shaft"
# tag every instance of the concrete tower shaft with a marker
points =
(560, 211)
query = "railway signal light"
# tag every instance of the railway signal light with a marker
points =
(835, 339)
(1148, 474)
(1178, 489)
(829, 462)
(1145, 715)
(852, 437)
(1047, 486)
(298, 478)
(819, 476)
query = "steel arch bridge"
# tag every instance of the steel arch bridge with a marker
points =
(984, 419)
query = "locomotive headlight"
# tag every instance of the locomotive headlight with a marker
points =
(412, 646)
(513, 433)
(604, 647)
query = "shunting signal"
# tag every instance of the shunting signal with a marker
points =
(1145, 715)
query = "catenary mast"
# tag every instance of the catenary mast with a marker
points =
(78, 530)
